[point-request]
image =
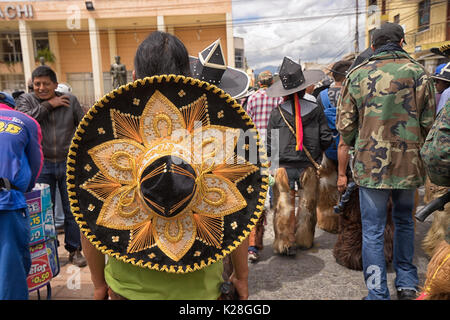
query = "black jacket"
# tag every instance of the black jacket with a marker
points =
(317, 136)
(58, 125)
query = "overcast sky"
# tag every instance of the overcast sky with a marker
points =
(311, 30)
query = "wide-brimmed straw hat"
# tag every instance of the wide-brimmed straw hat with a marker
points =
(159, 174)
(443, 74)
(210, 67)
(293, 79)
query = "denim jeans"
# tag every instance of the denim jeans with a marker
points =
(54, 174)
(373, 203)
(15, 258)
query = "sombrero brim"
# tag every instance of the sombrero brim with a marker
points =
(234, 82)
(311, 77)
(440, 78)
(444, 53)
(122, 133)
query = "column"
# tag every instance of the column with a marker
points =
(26, 43)
(160, 23)
(54, 48)
(96, 58)
(112, 45)
(230, 40)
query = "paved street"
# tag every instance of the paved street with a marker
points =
(312, 275)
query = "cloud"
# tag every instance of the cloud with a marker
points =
(274, 29)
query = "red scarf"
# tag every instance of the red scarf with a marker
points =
(298, 123)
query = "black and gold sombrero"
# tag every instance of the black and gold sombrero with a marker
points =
(167, 173)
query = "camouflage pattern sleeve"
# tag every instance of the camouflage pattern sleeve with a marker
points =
(347, 114)
(436, 149)
(427, 96)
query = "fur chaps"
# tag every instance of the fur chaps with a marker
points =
(328, 197)
(294, 229)
(348, 247)
(439, 229)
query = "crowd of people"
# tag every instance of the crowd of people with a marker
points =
(364, 123)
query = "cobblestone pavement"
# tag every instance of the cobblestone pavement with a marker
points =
(312, 275)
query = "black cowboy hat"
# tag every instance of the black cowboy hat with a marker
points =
(158, 176)
(293, 79)
(210, 67)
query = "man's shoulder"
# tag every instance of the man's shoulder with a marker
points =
(20, 117)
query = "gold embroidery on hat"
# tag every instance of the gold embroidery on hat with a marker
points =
(115, 238)
(141, 238)
(87, 167)
(217, 202)
(162, 117)
(235, 169)
(196, 114)
(91, 207)
(181, 93)
(125, 126)
(209, 230)
(117, 163)
(136, 101)
(170, 225)
(126, 201)
(101, 131)
(220, 114)
(100, 186)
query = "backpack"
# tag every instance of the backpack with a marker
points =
(330, 114)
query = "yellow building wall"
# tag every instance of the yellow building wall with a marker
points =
(197, 39)
(408, 10)
(127, 43)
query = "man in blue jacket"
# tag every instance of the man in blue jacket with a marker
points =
(21, 161)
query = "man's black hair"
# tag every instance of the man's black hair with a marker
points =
(381, 41)
(44, 71)
(161, 53)
(340, 69)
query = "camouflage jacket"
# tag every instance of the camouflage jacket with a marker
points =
(386, 109)
(436, 149)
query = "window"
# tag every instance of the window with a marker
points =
(397, 19)
(371, 35)
(12, 82)
(239, 58)
(424, 15)
(40, 42)
(10, 49)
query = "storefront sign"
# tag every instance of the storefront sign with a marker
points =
(16, 11)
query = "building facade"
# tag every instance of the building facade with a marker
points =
(80, 39)
(426, 24)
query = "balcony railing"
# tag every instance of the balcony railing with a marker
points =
(434, 33)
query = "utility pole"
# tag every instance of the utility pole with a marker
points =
(356, 31)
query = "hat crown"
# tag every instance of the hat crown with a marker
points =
(291, 74)
(168, 175)
(212, 64)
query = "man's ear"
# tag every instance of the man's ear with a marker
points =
(402, 42)
(372, 47)
(134, 75)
